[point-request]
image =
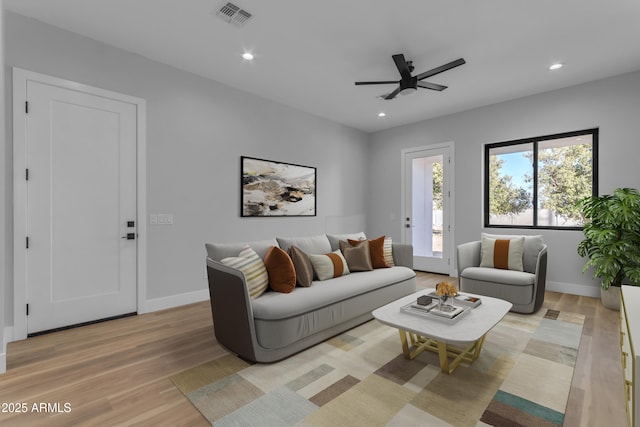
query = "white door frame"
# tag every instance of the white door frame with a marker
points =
(403, 171)
(20, 78)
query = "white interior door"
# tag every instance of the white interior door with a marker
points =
(427, 206)
(80, 261)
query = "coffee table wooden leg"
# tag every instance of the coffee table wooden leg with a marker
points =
(405, 344)
(419, 344)
(478, 348)
(468, 355)
(443, 356)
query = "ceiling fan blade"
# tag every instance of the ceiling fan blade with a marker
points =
(393, 94)
(431, 86)
(402, 66)
(441, 69)
(385, 82)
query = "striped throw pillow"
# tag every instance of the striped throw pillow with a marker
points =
(329, 265)
(505, 254)
(387, 249)
(252, 266)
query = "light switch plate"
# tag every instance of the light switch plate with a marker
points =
(165, 219)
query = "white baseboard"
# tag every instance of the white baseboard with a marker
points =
(175, 300)
(571, 288)
(7, 337)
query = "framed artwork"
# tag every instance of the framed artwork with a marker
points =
(271, 188)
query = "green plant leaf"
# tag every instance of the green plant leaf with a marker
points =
(612, 236)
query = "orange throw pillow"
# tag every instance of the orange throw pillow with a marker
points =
(376, 249)
(282, 274)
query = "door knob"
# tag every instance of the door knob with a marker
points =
(130, 236)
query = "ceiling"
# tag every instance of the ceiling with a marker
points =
(308, 54)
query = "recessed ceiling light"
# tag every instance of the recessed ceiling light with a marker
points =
(382, 114)
(247, 56)
(555, 66)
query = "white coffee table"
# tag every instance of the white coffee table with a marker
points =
(461, 341)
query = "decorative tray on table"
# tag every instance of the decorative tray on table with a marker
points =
(433, 310)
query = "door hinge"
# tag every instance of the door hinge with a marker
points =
(26, 107)
(26, 174)
(27, 309)
(27, 242)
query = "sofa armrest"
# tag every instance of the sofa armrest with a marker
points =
(468, 255)
(231, 309)
(540, 283)
(403, 254)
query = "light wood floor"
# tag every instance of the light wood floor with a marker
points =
(116, 373)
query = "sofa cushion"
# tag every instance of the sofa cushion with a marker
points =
(217, 251)
(334, 239)
(329, 265)
(505, 254)
(282, 273)
(532, 247)
(376, 249)
(274, 305)
(506, 277)
(253, 269)
(310, 244)
(387, 249)
(302, 265)
(358, 257)
(324, 321)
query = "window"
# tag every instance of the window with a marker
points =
(537, 182)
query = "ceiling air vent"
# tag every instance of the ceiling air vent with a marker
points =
(233, 14)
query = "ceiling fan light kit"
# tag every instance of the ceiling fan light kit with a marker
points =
(409, 83)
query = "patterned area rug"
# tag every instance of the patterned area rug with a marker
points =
(522, 378)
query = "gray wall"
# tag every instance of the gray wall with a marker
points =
(612, 105)
(3, 203)
(197, 130)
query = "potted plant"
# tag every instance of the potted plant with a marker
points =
(612, 241)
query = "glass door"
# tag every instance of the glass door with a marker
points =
(426, 211)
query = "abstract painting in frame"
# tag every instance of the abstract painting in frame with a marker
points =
(271, 188)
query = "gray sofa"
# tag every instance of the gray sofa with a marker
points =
(524, 289)
(276, 325)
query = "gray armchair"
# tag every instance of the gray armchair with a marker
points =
(524, 289)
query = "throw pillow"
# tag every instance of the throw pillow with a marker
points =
(252, 267)
(387, 249)
(302, 265)
(358, 257)
(329, 265)
(282, 273)
(505, 254)
(376, 249)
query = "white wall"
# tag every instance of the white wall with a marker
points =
(197, 130)
(612, 105)
(3, 203)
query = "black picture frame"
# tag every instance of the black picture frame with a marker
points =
(270, 188)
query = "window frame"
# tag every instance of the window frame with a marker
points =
(535, 142)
